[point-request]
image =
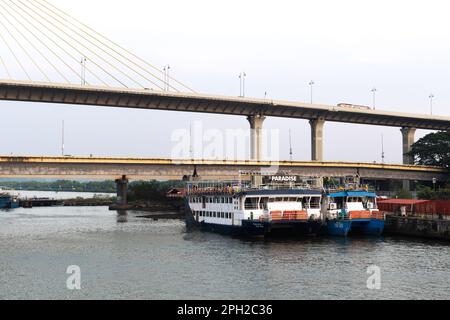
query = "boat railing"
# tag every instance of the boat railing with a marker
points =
(232, 188)
(331, 189)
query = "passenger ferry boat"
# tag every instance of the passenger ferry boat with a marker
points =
(353, 209)
(238, 208)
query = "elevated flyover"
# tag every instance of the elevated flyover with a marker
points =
(165, 169)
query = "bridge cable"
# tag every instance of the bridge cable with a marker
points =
(15, 56)
(106, 45)
(43, 43)
(24, 50)
(73, 47)
(39, 39)
(34, 47)
(117, 45)
(71, 55)
(6, 69)
(80, 43)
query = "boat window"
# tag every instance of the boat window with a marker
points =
(278, 199)
(339, 202)
(315, 203)
(305, 202)
(292, 199)
(251, 203)
(263, 203)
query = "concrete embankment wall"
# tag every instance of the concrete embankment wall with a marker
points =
(418, 227)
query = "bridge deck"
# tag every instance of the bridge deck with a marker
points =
(193, 102)
(135, 168)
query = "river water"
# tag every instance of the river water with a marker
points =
(131, 257)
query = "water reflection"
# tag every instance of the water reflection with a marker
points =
(122, 216)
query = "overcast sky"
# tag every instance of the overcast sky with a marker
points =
(347, 47)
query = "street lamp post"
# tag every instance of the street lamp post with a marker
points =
(431, 103)
(242, 77)
(374, 92)
(311, 84)
(168, 78)
(83, 71)
(240, 84)
(166, 70)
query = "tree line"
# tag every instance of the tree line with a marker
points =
(433, 150)
(62, 185)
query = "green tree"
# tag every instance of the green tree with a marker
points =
(151, 190)
(432, 150)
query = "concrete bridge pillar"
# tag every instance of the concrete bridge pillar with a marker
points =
(121, 187)
(408, 141)
(317, 139)
(256, 124)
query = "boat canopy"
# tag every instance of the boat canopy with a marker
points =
(352, 194)
(281, 192)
